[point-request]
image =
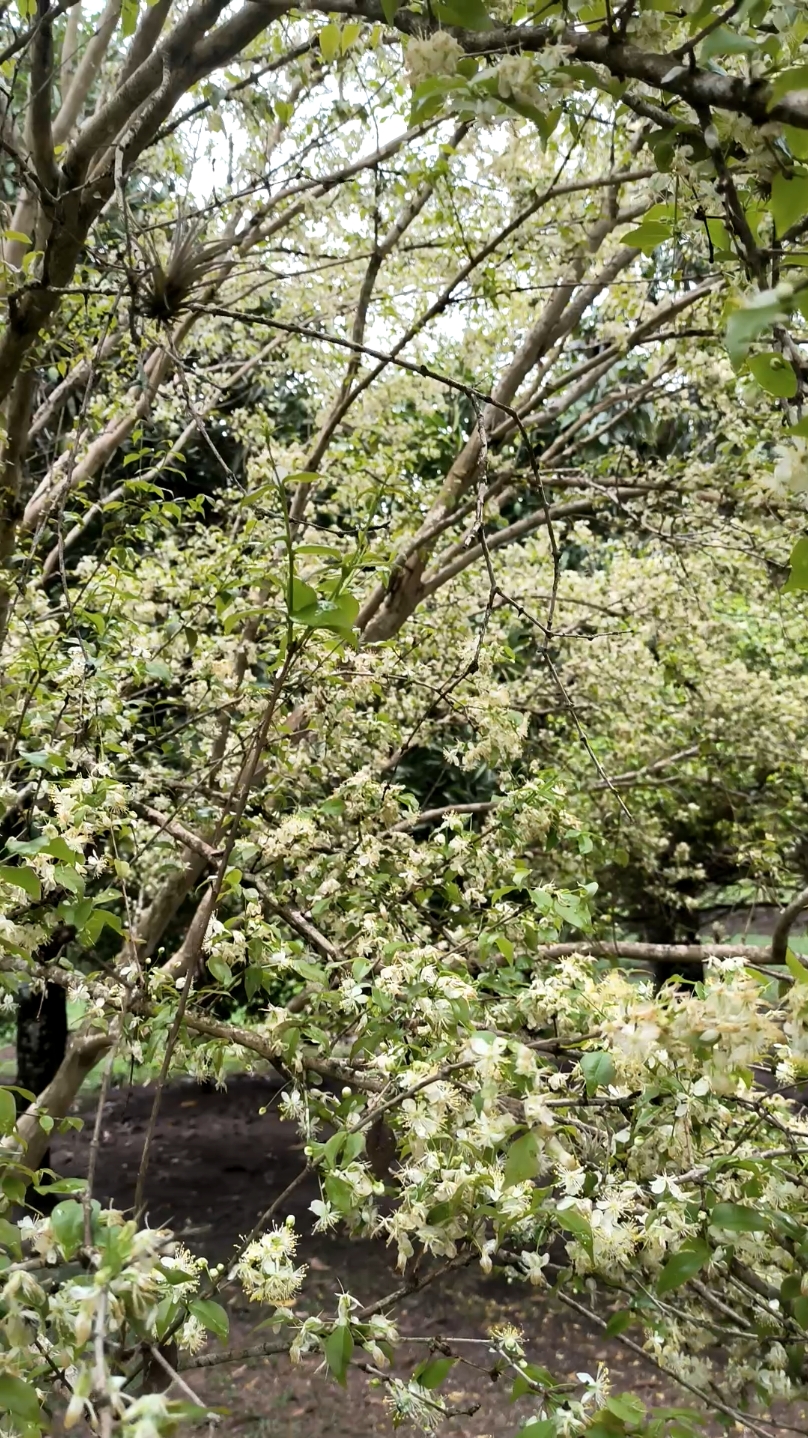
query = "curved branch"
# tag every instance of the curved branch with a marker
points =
(784, 925)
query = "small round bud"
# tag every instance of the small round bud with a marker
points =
(290, 1220)
(346, 1092)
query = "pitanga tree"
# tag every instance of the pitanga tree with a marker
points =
(395, 521)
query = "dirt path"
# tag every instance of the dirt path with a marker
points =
(217, 1164)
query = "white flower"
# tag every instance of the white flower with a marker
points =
(534, 1265)
(438, 55)
(265, 1269)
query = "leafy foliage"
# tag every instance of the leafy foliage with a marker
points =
(403, 646)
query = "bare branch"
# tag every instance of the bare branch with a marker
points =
(671, 954)
(38, 128)
(784, 925)
(86, 70)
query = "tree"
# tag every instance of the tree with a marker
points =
(394, 524)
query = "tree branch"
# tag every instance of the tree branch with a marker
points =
(784, 925)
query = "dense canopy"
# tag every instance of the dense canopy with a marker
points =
(404, 673)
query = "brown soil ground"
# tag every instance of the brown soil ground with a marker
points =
(217, 1163)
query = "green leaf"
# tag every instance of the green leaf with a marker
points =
(129, 13)
(788, 81)
(539, 1428)
(598, 1070)
(76, 914)
(338, 1347)
(683, 1265)
(737, 1218)
(220, 970)
(648, 235)
(432, 1372)
(470, 14)
(19, 1399)
(575, 1223)
(27, 846)
(719, 235)
(618, 1323)
(627, 1407)
(723, 41)
(58, 849)
(67, 878)
(797, 581)
(350, 35)
(212, 1316)
(745, 324)
(389, 10)
(789, 200)
(67, 1222)
(800, 1311)
(302, 596)
(339, 613)
(96, 922)
(774, 374)
(22, 878)
(10, 1238)
(158, 669)
(62, 1185)
(329, 42)
(253, 981)
(8, 1111)
(522, 1162)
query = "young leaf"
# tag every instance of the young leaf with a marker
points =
(329, 47)
(129, 13)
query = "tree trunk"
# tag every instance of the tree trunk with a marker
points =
(41, 1047)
